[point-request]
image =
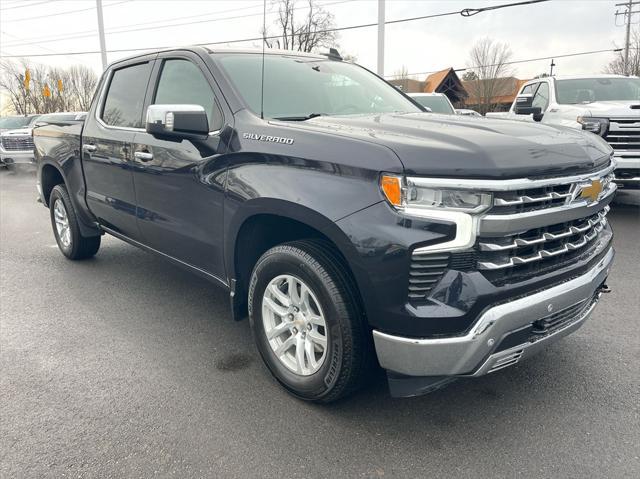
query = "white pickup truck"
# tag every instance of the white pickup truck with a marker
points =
(607, 105)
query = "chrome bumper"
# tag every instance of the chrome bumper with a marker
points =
(473, 354)
(11, 157)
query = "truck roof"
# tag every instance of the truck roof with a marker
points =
(205, 50)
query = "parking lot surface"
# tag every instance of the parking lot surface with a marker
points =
(125, 365)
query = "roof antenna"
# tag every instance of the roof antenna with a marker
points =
(264, 40)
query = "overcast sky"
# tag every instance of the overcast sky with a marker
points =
(553, 28)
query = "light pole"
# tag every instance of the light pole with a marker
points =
(103, 48)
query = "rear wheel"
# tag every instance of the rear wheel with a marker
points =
(65, 227)
(308, 326)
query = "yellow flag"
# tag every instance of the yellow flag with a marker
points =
(27, 79)
(46, 92)
(60, 86)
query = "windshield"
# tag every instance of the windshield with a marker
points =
(296, 87)
(437, 103)
(13, 122)
(587, 90)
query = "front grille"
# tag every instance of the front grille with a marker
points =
(553, 322)
(624, 136)
(535, 199)
(520, 256)
(425, 272)
(17, 143)
(531, 199)
(627, 173)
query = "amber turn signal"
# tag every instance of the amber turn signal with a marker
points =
(392, 188)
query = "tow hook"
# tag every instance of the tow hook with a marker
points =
(605, 289)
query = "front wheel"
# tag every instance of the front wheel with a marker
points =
(306, 321)
(66, 229)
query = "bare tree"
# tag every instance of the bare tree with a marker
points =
(306, 35)
(489, 59)
(402, 78)
(469, 75)
(616, 66)
(69, 89)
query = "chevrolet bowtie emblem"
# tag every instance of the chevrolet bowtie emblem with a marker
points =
(592, 191)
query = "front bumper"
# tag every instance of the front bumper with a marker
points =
(482, 350)
(627, 172)
(9, 157)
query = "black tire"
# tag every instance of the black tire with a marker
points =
(349, 345)
(79, 247)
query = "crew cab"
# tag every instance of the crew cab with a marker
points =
(342, 218)
(606, 105)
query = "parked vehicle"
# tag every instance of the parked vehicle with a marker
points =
(606, 105)
(343, 222)
(465, 112)
(16, 143)
(436, 102)
(17, 122)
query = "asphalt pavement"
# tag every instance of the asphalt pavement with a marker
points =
(126, 366)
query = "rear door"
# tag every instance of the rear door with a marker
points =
(178, 183)
(107, 145)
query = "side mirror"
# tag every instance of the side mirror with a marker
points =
(177, 121)
(523, 107)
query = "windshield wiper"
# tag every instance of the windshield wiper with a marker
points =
(299, 118)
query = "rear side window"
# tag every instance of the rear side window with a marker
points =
(125, 97)
(182, 83)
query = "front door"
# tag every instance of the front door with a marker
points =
(178, 184)
(107, 147)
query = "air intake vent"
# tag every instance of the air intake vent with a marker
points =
(426, 270)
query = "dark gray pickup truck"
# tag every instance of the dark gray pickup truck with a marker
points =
(344, 220)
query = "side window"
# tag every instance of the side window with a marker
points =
(541, 98)
(125, 96)
(182, 83)
(528, 90)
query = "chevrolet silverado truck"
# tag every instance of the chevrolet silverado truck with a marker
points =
(349, 224)
(606, 105)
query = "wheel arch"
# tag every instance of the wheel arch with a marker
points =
(50, 176)
(264, 223)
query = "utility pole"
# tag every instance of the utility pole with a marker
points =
(627, 21)
(553, 64)
(103, 48)
(380, 70)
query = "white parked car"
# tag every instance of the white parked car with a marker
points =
(436, 102)
(607, 105)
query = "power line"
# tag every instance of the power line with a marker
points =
(467, 12)
(24, 5)
(113, 31)
(592, 52)
(67, 12)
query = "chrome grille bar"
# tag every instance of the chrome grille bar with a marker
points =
(596, 226)
(572, 230)
(525, 199)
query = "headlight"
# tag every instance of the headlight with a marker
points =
(599, 126)
(409, 193)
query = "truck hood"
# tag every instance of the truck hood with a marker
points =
(608, 109)
(455, 146)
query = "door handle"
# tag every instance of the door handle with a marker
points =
(143, 156)
(89, 148)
